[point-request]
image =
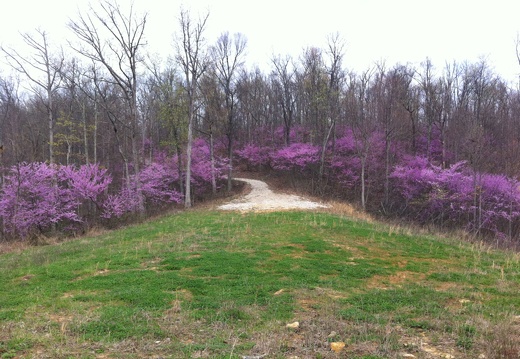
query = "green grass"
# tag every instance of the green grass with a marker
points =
(224, 285)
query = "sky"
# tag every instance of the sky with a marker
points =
(375, 31)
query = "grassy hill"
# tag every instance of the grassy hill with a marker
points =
(206, 284)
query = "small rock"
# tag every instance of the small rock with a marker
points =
(482, 356)
(448, 356)
(407, 355)
(279, 292)
(337, 346)
(464, 301)
(294, 325)
(332, 334)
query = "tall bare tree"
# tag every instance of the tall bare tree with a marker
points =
(336, 76)
(214, 111)
(43, 71)
(284, 84)
(191, 56)
(171, 106)
(228, 56)
(115, 39)
(362, 124)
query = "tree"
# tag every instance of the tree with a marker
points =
(171, 110)
(362, 124)
(430, 101)
(10, 124)
(115, 39)
(283, 83)
(336, 78)
(391, 88)
(228, 55)
(213, 112)
(191, 57)
(43, 72)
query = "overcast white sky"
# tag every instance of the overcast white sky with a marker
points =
(396, 31)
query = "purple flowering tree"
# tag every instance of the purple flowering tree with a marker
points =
(297, 157)
(255, 156)
(157, 185)
(457, 196)
(36, 196)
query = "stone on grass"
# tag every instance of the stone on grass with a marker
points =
(337, 346)
(294, 325)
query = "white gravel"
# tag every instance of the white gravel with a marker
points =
(261, 198)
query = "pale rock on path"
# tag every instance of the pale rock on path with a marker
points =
(261, 198)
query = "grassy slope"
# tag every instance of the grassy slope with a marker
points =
(224, 285)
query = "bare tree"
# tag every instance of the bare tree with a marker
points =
(336, 77)
(362, 125)
(171, 106)
(228, 54)
(214, 111)
(191, 57)
(43, 71)
(115, 39)
(283, 81)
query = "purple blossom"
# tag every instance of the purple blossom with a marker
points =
(37, 195)
(297, 156)
(255, 155)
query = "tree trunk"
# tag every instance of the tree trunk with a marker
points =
(212, 158)
(187, 195)
(387, 173)
(230, 166)
(51, 126)
(85, 136)
(95, 129)
(363, 190)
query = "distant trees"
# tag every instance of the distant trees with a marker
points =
(433, 145)
(42, 69)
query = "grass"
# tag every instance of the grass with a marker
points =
(224, 285)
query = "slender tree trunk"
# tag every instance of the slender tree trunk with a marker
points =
(69, 152)
(321, 178)
(230, 166)
(187, 195)
(363, 189)
(85, 135)
(179, 169)
(95, 129)
(212, 158)
(387, 172)
(324, 150)
(230, 107)
(51, 127)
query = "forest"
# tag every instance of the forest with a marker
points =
(107, 132)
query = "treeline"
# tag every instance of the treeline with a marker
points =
(434, 144)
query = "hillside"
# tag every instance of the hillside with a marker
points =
(212, 284)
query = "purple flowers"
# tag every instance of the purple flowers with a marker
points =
(483, 203)
(416, 188)
(37, 196)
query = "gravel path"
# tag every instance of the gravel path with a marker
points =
(261, 198)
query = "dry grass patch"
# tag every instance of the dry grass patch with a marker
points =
(395, 280)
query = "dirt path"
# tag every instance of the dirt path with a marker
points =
(261, 198)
